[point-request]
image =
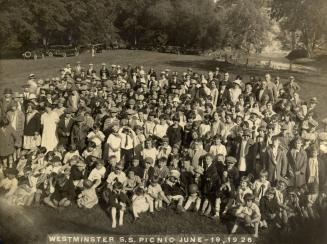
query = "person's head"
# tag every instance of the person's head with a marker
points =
(99, 164)
(162, 162)
(118, 168)
(131, 174)
(117, 187)
(148, 162)
(267, 77)
(72, 147)
(48, 107)
(154, 180)
(263, 175)
(208, 159)
(298, 143)
(148, 143)
(248, 199)
(275, 141)
(313, 152)
(4, 122)
(244, 182)
(248, 87)
(87, 184)
(226, 76)
(11, 173)
(270, 193)
(135, 162)
(281, 185)
(115, 128)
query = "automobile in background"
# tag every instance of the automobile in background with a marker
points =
(62, 51)
(192, 51)
(99, 47)
(34, 54)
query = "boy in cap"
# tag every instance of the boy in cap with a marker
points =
(116, 201)
(173, 189)
(118, 175)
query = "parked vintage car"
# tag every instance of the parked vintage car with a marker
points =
(99, 47)
(62, 51)
(34, 54)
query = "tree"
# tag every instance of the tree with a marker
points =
(307, 17)
(248, 24)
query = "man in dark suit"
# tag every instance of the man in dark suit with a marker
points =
(264, 94)
(298, 161)
(104, 72)
(211, 185)
(276, 161)
(64, 127)
(243, 145)
(257, 151)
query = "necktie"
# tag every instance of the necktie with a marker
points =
(126, 141)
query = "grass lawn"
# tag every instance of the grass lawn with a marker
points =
(30, 225)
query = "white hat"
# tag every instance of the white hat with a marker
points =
(323, 136)
(32, 96)
(204, 82)
(174, 173)
(176, 99)
(238, 82)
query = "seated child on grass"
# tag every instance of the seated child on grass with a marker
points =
(88, 197)
(248, 213)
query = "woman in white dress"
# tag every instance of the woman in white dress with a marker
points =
(49, 120)
(114, 143)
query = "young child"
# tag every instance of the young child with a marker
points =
(118, 175)
(132, 182)
(90, 150)
(269, 208)
(88, 197)
(72, 151)
(156, 195)
(140, 203)
(24, 195)
(260, 185)
(9, 184)
(116, 200)
(161, 169)
(248, 213)
(238, 199)
(173, 189)
(97, 174)
(193, 198)
(218, 148)
(165, 149)
(64, 193)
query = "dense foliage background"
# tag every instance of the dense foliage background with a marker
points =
(203, 24)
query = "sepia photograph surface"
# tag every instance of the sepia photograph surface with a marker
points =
(163, 121)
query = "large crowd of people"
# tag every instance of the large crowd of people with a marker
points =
(249, 151)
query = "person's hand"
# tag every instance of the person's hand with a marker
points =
(311, 179)
(297, 172)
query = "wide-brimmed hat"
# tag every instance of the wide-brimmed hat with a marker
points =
(7, 91)
(148, 160)
(11, 171)
(174, 173)
(231, 160)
